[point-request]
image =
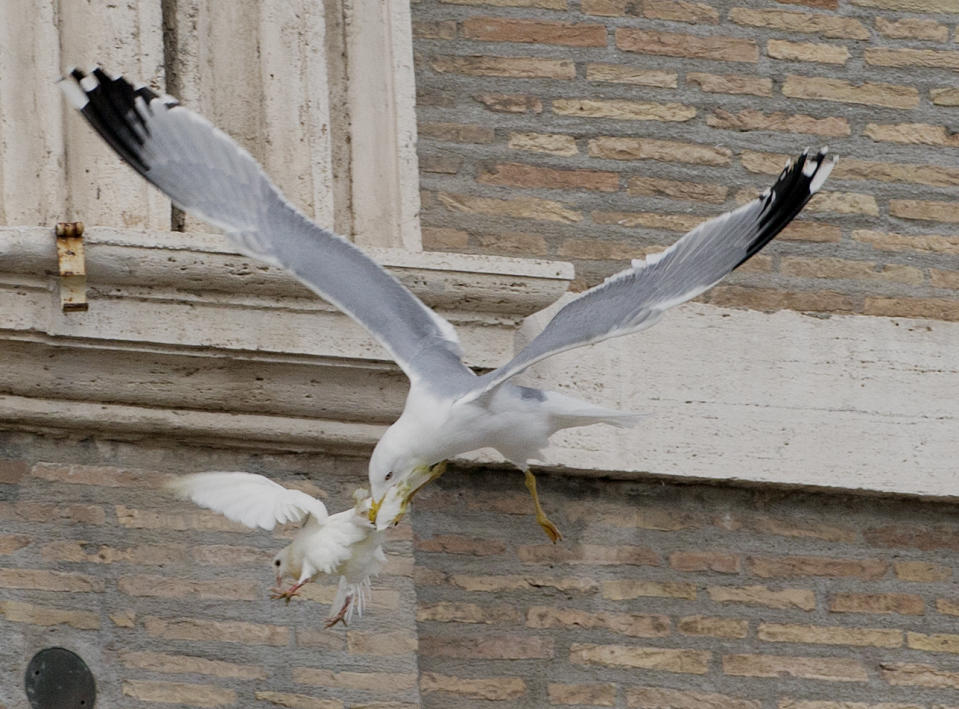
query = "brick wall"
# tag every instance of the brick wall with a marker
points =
(598, 130)
(661, 596)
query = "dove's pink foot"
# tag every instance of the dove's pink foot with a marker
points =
(341, 616)
(287, 595)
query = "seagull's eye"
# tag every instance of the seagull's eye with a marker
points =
(389, 475)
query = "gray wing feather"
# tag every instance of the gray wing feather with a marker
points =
(205, 173)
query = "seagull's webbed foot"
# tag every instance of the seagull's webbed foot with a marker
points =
(340, 617)
(551, 531)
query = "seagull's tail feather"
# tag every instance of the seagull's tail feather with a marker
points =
(567, 412)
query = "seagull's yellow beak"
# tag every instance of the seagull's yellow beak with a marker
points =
(389, 510)
(375, 508)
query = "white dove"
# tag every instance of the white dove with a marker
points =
(346, 544)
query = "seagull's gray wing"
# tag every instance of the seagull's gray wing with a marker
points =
(205, 173)
(635, 299)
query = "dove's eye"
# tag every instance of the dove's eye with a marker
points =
(277, 562)
(389, 475)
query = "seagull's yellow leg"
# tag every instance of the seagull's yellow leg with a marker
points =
(551, 531)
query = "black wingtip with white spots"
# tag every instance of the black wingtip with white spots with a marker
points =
(796, 185)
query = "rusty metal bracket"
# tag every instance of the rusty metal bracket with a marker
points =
(73, 268)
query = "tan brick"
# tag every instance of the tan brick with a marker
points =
(453, 612)
(794, 566)
(937, 642)
(925, 58)
(194, 695)
(457, 544)
(731, 83)
(10, 543)
(442, 238)
(774, 299)
(102, 475)
(828, 635)
(804, 267)
(870, 94)
(922, 570)
(948, 606)
(202, 520)
(933, 175)
(785, 599)
(370, 681)
(830, 669)
(713, 627)
(598, 250)
(805, 529)
(831, 26)
(171, 587)
(663, 519)
(501, 29)
(398, 642)
(927, 6)
(456, 132)
(803, 230)
(494, 584)
(551, 143)
(488, 647)
(648, 220)
(721, 562)
(225, 631)
(624, 110)
(41, 580)
(912, 28)
(514, 67)
(751, 119)
(124, 618)
(651, 658)
(671, 44)
(944, 279)
(145, 554)
(934, 308)
(931, 243)
(589, 554)
(627, 589)
(681, 11)
(298, 701)
(917, 536)
(511, 103)
(495, 689)
(12, 471)
(19, 612)
(807, 51)
(912, 134)
(53, 512)
(190, 664)
(924, 209)
(541, 4)
(604, 8)
(521, 175)
(447, 164)
(677, 189)
(385, 705)
(823, 4)
(814, 704)
(516, 207)
(597, 695)
(902, 603)
(662, 698)
(443, 29)
(945, 97)
(632, 624)
(221, 554)
(515, 243)
(916, 675)
(625, 74)
(615, 148)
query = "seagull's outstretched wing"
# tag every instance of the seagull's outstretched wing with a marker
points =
(247, 498)
(635, 299)
(205, 173)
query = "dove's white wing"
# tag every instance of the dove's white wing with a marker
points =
(247, 498)
(205, 173)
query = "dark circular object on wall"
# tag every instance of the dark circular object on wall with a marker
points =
(57, 678)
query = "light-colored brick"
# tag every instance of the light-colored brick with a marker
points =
(458, 544)
(912, 28)
(442, 29)
(124, 618)
(867, 93)
(918, 675)
(457, 612)
(297, 701)
(807, 51)
(189, 664)
(828, 635)
(902, 603)
(949, 606)
(598, 249)
(201, 520)
(494, 584)
(944, 279)
(752, 119)
(632, 624)
(663, 698)
(934, 308)
(798, 566)
(672, 44)
(648, 220)
(521, 175)
(593, 554)
(516, 207)
(624, 110)
(43, 580)
(930, 243)
(514, 67)
(721, 562)
(808, 230)
(390, 682)
(76, 550)
(102, 475)
(495, 689)
(937, 642)
(677, 189)
(650, 658)
(225, 631)
(627, 589)
(912, 134)
(924, 209)
(681, 11)
(777, 299)
(804, 267)
(785, 599)
(514, 243)
(456, 132)
(11, 543)
(602, 695)
(604, 8)
(194, 695)
(28, 511)
(662, 519)
(731, 83)
(925, 58)
(171, 587)
(626, 74)
(789, 703)
(435, 238)
(502, 29)
(922, 570)
(831, 26)
(12, 471)
(488, 647)
(945, 97)
(550, 143)
(615, 148)
(20, 612)
(829, 669)
(713, 626)
(511, 103)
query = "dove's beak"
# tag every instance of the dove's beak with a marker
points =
(389, 510)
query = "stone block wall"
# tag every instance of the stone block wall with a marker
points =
(597, 131)
(661, 595)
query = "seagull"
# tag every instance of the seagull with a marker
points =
(449, 410)
(346, 544)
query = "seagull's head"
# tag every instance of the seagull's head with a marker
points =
(395, 476)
